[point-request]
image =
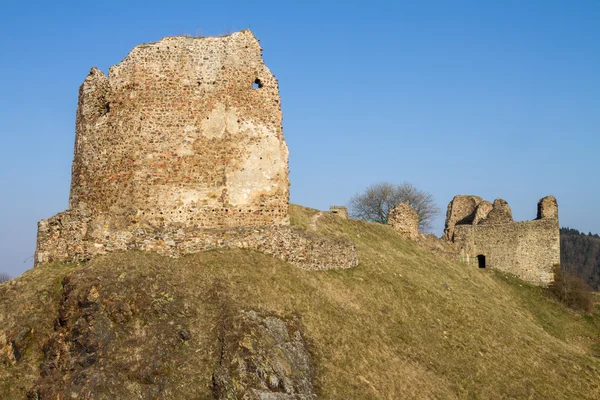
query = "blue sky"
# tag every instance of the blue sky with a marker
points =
(493, 98)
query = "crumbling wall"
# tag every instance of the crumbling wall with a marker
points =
(482, 211)
(180, 149)
(63, 237)
(527, 249)
(460, 210)
(404, 220)
(185, 130)
(547, 208)
(499, 214)
(340, 211)
(303, 249)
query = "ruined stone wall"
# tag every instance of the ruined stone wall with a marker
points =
(178, 134)
(340, 211)
(179, 150)
(73, 236)
(460, 210)
(527, 249)
(404, 220)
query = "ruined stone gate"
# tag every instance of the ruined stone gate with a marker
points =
(181, 149)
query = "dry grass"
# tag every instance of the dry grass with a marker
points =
(387, 329)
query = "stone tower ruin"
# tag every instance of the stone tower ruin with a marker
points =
(486, 235)
(181, 141)
(183, 131)
(404, 220)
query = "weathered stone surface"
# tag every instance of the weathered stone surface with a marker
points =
(66, 239)
(340, 211)
(177, 134)
(263, 358)
(404, 219)
(482, 211)
(499, 214)
(547, 208)
(177, 152)
(461, 210)
(527, 249)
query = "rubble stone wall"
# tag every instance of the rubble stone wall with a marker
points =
(185, 130)
(340, 211)
(527, 249)
(461, 209)
(71, 237)
(180, 149)
(404, 220)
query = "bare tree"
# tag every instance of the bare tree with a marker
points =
(4, 277)
(375, 203)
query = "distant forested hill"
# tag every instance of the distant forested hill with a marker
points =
(580, 255)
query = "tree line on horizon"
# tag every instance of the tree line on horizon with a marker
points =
(580, 255)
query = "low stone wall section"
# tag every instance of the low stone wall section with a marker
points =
(527, 249)
(340, 211)
(73, 236)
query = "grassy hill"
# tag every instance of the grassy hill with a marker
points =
(405, 323)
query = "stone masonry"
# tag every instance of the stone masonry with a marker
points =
(404, 220)
(181, 149)
(340, 211)
(487, 236)
(177, 134)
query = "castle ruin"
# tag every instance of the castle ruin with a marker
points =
(181, 149)
(404, 220)
(486, 235)
(340, 211)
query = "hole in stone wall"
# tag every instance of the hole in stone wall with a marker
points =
(107, 108)
(481, 261)
(257, 84)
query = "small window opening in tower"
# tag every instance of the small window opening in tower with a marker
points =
(257, 84)
(481, 261)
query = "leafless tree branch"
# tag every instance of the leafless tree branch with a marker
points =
(375, 203)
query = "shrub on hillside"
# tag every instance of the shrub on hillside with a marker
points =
(571, 290)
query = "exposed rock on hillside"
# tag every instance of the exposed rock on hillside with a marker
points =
(262, 358)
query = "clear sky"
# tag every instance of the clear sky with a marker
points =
(492, 98)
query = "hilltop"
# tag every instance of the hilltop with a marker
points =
(404, 323)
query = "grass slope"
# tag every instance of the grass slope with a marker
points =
(405, 323)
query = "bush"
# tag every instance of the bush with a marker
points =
(571, 290)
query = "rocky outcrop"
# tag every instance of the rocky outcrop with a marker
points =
(263, 358)
(147, 332)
